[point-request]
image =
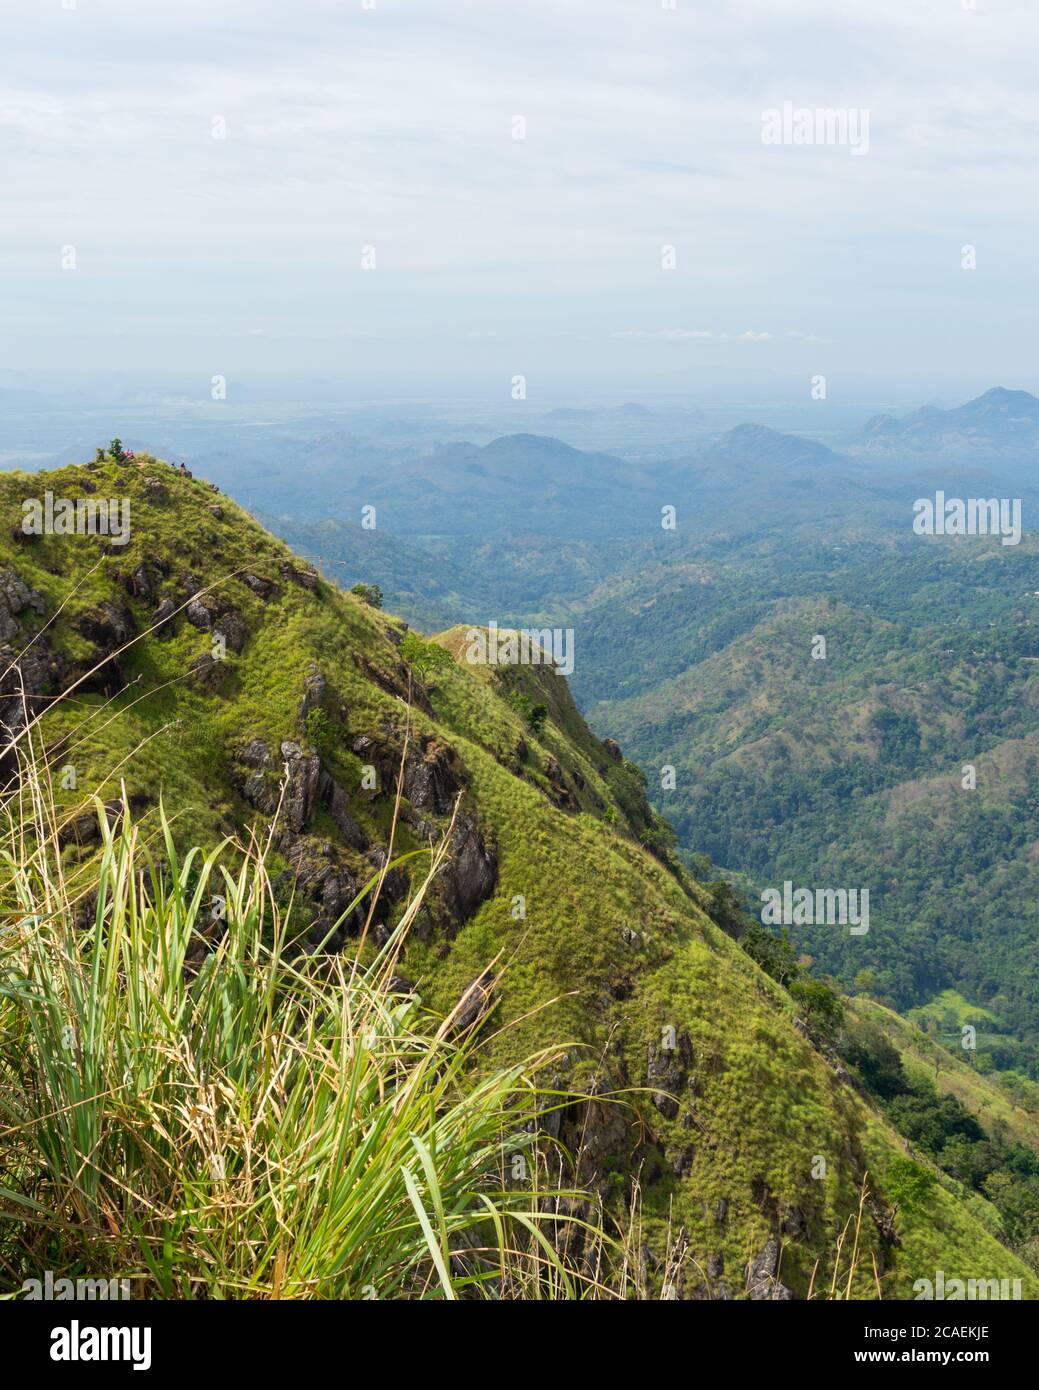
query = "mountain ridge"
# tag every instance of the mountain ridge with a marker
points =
(205, 664)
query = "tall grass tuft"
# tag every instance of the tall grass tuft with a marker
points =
(192, 1101)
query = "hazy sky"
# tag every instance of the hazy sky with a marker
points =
(392, 128)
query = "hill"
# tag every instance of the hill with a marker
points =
(206, 667)
(903, 759)
(999, 421)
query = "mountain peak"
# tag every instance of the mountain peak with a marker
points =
(999, 419)
(754, 443)
(1002, 395)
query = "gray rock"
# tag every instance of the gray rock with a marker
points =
(762, 1285)
(230, 627)
(160, 619)
(338, 803)
(106, 625)
(471, 874)
(202, 612)
(665, 1070)
(303, 775)
(475, 1001)
(315, 687)
(261, 786)
(431, 782)
(683, 1160)
(15, 597)
(262, 588)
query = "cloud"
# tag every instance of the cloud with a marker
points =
(394, 128)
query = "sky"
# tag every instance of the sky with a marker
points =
(133, 237)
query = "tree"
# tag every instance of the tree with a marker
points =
(536, 718)
(116, 450)
(425, 658)
(908, 1184)
(368, 593)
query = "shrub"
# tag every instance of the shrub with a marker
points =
(368, 593)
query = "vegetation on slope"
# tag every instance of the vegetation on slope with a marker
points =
(207, 665)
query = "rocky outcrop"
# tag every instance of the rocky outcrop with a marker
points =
(139, 584)
(475, 1002)
(666, 1070)
(154, 491)
(762, 1284)
(262, 784)
(160, 619)
(560, 792)
(85, 830)
(109, 627)
(432, 776)
(207, 672)
(597, 1131)
(230, 627)
(262, 588)
(315, 687)
(306, 578)
(338, 804)
(394, 882)
(259, 777)
(303, 773)
(15, 597)
(321, 876)
(211, 613)
(28, 681)
(202, 612)
(470, 875)
(395, 679)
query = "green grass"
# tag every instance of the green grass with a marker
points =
(231, 1119)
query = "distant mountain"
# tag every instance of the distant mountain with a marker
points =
(519, 483)
(759, 445)
(998, 421)
(753, 477)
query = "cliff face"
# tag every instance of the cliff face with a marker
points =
(203, 664)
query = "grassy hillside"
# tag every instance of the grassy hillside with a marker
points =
(1009, 1108)
(211, 671)
(902, 761)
